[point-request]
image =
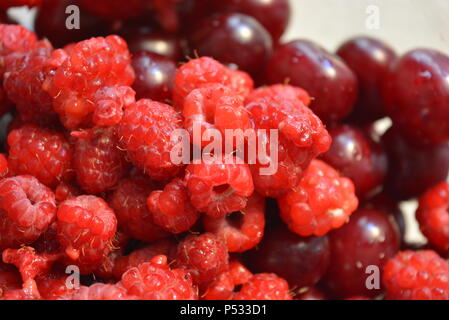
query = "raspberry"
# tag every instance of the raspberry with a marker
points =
(171, 208)
(28, 291)
(155, 280)
(19, 3)
(279, 92)
(129, 204)
(433, 216)
(27, 208)
(322, 201)
(15, 39)
(145, 132)
(204, 257)
(420, 275)
(53, 288)
(264, 286)
(99, 163)
(214, 106)
(86, 226)
(66, 190)
(220, 186)
(29, 263)
(9, 279)
(166, 247)
(198, 72)
(101, 291)
(42, 153)
(302, 136)
(3, 166)
(5, 104)
(243, 230)
(110, 102)
(89, 66)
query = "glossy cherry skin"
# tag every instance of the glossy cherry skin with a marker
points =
(233, 39)
(413, 169)
(190, 12)
(416, 95)
(358, 157)
(323, 75)
(51, 19)
(274, 15)
(370, 238)
(299, 260)
(154, 76)
(370, 60)
(314, 293)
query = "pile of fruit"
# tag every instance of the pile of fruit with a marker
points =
(88, 185)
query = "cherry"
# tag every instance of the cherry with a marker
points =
(190, 12)
(314, 293)
(357, 157)
(233, 38)
(370, 60)
(154, 76)
(324, 75)
(369, 239)
(274, 15)
(51, 19)
(416, 95)
(300, 260)
(413, 169)
(167, 45)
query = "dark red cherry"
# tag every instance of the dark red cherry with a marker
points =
(367, 241)
(357, 157)
(416, 95)
(274, 15)
(324, 75)
(370, 60)
(413, 169)
(190, 12)
(154, 76)
(300, 260)
(164, 44)
(314, 293)
(233, 38)
(51, 19)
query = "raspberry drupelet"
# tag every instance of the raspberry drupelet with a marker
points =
(89, 66)
(42, 153)
(27, 208)
(419, 275)
(171, 208)
(86, 226)
(145, 132)
(204, 257)
(205, 70)
(4, 169)
(433, 217)
(220, 186)
(98, 162)
(301, 136)
(322, 201)
(155, 280)
(15, 39)
(264, 286)
(129, 201)
(101, 291)
(242, 230)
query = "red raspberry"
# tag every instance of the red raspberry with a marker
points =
(129, 204)
(171, 208)
(53, 288)
(9, 279)
(5, 104)
(419, 275)
(264, 286)
(101, 291)
(86, 226)
(42, 153)
(15, 39)
(145, 132)
(5, 4)
(322, 201)
(29, 291)
(219, 187)
(3, 166)
(198, 72)
(242, 230)
(214, 106)
(27, 208)
(99, 163)
(66, 190)
(155, 280)
(90, 65)
(29, 263)
(110, 103)
(204, 257)
(166, 247)
(302, 136)
(279, 92)
(433, 217)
